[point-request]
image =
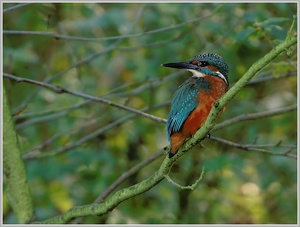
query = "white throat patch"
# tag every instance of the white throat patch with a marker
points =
(222, 77)
(196, 73)
(199, 74)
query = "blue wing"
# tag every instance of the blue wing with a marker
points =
(183, 103)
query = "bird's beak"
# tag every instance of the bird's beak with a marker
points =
(180, 65)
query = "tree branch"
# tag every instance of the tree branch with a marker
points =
(17, 190)
(117, 198)
(122, 178)
(159, 175)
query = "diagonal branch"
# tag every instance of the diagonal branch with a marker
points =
(218, 106)
(159, 175)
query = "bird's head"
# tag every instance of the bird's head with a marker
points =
(204, 64)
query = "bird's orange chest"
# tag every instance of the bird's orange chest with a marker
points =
(205, 99)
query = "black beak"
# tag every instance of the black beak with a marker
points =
(180, 65)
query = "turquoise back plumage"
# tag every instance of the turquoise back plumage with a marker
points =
(184, 102)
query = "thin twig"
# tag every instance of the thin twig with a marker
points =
(34, 155)
(15, 7)
(68, 37)
(47, 112)
(250, 147)
(184, 187)
(274, 145)
(41, 119)
(261, 78)
(246, 117)
(110, 94)
(68, 132)
(127, 174)
(153, 83)
(154, 44)
(61, 90)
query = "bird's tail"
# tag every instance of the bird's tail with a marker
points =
(177, 140)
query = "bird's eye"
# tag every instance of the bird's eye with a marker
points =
(203, 63)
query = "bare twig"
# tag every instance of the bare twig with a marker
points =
(184, 187)
(15, 7)
(61, 90)
(47, 112)
(261, 78)
(153, 83)
(68, 132)
(127, 174)
(154, 44)
(251, 147)
(34, 155)
(68, 37)
(246, 117)
(41, 119)
(110, 94)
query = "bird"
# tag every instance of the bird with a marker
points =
(193, 100)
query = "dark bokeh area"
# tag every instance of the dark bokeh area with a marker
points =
(117, 54)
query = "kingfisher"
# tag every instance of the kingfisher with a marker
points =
(194, 99)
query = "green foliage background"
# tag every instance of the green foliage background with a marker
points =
(238, 186)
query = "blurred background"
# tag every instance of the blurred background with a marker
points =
(115, 51)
